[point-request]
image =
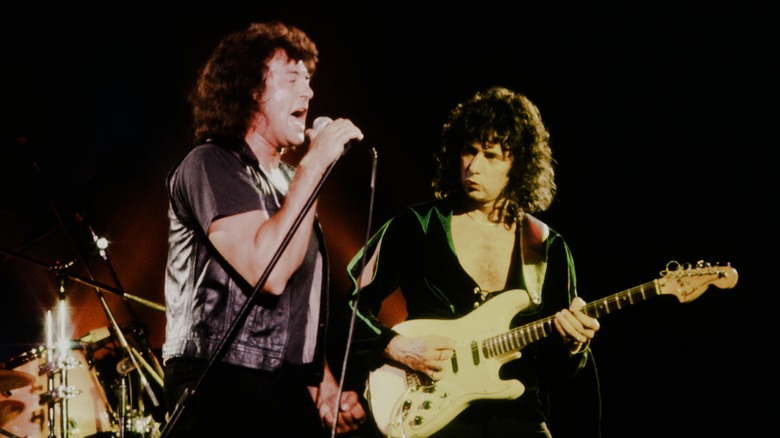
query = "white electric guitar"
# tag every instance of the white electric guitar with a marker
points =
(407, 404)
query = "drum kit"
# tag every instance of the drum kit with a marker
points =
(96, 385)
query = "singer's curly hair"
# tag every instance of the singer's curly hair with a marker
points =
(511, 119)
(222, 100)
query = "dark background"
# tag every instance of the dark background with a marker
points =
(661, 115)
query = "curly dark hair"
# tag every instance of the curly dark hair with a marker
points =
(511, 119)
(223, 102)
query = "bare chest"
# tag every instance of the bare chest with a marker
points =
(484, 252)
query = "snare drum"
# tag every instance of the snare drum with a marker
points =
(88, 408)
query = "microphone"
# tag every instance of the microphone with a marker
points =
(323, 121)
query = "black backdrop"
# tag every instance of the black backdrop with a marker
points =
(661, 116)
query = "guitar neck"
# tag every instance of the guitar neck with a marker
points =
(522, 336)
(623, 299)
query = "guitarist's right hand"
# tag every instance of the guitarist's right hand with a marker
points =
(429, 354)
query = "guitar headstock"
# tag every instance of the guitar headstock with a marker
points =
(688, 282)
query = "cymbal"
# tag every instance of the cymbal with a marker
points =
(10, 379)
(10, 409)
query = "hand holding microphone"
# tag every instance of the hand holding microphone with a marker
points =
(336, 136)
(321, 122)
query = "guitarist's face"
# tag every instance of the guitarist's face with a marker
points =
(484, 171)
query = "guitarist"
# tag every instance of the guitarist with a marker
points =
(476, 240)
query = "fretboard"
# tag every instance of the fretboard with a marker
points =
(522, 336)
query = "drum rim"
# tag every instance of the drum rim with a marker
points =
(23, 358)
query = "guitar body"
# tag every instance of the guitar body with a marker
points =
(411, 405)
(407, 404)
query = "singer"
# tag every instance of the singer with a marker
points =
(232, 201)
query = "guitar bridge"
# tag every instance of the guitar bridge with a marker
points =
(416, 381)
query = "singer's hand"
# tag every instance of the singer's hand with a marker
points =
(328, 139)
(350, 414)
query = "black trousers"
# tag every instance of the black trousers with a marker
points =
(235, 401)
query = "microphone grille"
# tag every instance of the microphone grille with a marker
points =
(321, 122)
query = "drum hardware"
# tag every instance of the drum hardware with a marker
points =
(35, 410)
(10, 379)
(91, 283)
(133, 413)
(63, 391)
(122, 405)
(9, 410)
(62, 384)
(22, 358)
(57, 394)
(131, 420)
(96, 338)
(62, 273)
(132, 369)
(60, 367)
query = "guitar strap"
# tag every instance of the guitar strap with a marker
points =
(537, 238)
(534, 235)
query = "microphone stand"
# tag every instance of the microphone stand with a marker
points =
(353, 314)
(233, 329)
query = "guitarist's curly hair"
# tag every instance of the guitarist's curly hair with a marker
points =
(511, 119)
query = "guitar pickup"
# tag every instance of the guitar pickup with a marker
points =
(475, 352)
(454, 362)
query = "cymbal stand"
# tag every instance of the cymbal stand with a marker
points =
(128, 351)
(136, 423)
(90, 282)
(131, 354)
(58, 360)
(114, 325)
(50, 367)
(102, 245)
(122, 406)
(118, 334)
(66, 361)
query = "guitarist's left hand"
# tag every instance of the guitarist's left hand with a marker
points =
(575, 327)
